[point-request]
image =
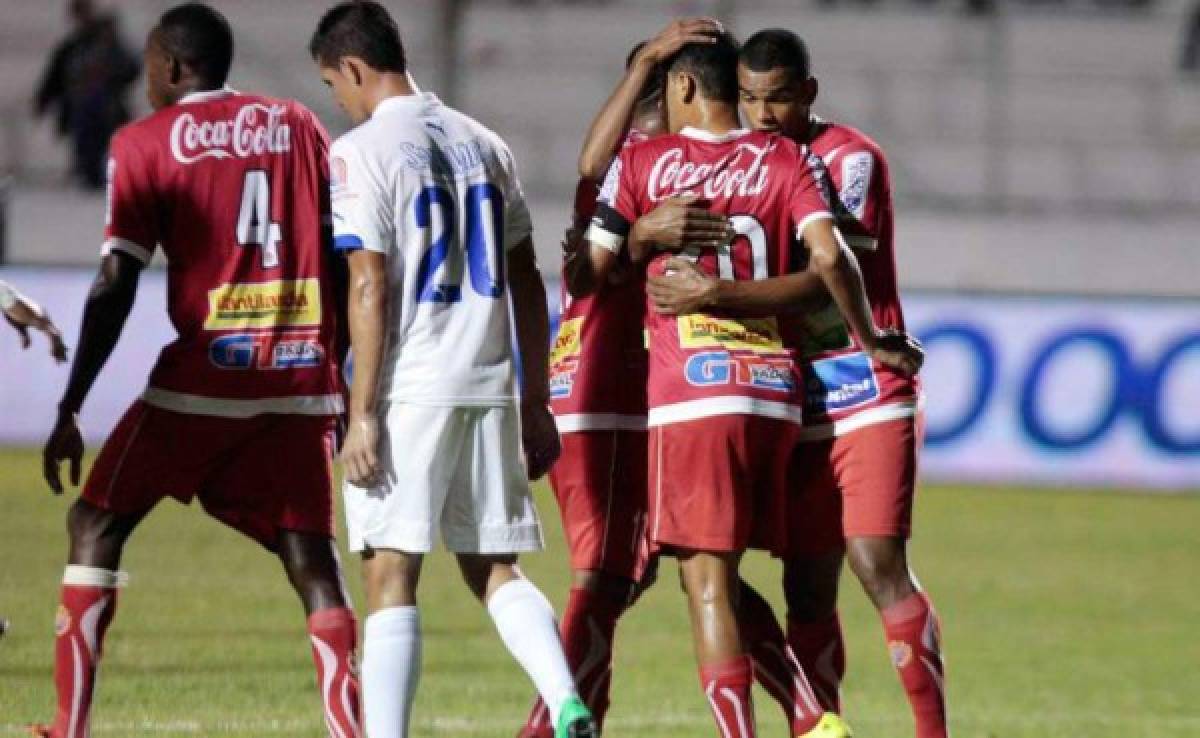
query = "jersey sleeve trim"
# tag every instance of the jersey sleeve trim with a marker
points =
(8, 296)
(347, 242)
(137, 251)
(812, 218)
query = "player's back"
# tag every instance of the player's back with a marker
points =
(705, 364)
(233, 188)
(443, 188)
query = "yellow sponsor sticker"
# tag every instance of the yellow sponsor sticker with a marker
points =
(760, 335)
(283, 302)
(567, 342)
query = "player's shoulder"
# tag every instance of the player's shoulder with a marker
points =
(840, 139)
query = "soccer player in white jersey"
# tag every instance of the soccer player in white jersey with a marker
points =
(427, 207)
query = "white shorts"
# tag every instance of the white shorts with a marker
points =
(457, 470)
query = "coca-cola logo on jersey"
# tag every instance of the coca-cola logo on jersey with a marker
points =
(255, 130)
(740, 172)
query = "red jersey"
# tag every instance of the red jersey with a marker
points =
(599, 365)
(845, 389)
(234, 188)
(710, 364)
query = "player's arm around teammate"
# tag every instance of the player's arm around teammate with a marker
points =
(23, 314)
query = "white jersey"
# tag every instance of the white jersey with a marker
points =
(437, 193)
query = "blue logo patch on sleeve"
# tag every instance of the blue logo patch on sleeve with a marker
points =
(840, 383)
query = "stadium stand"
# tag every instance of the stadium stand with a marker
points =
(1057, 129)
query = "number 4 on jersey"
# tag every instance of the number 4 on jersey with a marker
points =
(254, 226)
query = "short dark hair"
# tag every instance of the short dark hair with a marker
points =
(774, 48)
(199, 37)
(713, 64)
(359, 28)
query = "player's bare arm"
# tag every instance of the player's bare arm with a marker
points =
(23, 314)
(833, 261)
(366, 316)
(676, 224)
(104, 314)
(539, 434)
(684, 289)
(607, 131)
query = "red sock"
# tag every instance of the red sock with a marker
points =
(588, 624)
(914, 641)
(727, 686)
(334, 636)
(89, 600)
(821, 651)
(775, 668)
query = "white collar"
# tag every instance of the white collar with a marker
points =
(401, 101)
(206, 95)
(710, 137)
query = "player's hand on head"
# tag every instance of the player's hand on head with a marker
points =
(679, 223)
(539, 436)
(682, 288)
(65, 444)
(360, 451)
(678, 34)
(898, 350)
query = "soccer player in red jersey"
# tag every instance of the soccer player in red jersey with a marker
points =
(239, 410)
(598, 395)
(857, 461)
(723, 393)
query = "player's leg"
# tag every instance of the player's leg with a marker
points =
(119, 492)
(392, 525)
(599, 483)
(274, 484)
(391, 664)
(775, 667)
(876, 467)
(488, 518)
(814, 630)
(87, 605)
(811, 570)
(726, 672)
(312, 566)
(524, 618)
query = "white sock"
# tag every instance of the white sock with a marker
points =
(391, 666)
(525, 620)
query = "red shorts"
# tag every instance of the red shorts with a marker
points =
(258, 475)
(718, 483)
(859, 484)
(600, 483)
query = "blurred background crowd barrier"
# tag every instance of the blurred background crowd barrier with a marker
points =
(1045, 157)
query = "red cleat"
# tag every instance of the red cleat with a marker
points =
(41, 731)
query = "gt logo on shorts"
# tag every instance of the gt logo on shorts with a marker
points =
(840, 383)
(287, 350)
(282, 302)
(712, 368)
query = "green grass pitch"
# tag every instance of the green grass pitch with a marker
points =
(1064, 615)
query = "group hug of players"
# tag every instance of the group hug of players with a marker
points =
(730, 371)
